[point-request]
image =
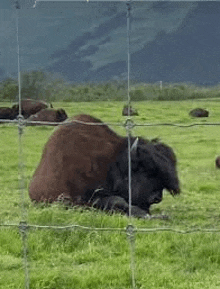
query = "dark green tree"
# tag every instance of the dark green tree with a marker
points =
(9, 89)
(33, 84)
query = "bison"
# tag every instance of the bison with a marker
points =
(30, 106)
(217, 162)
(199, 112)
(7, 113)
(127, 111)
(86, 162)
(49, 115)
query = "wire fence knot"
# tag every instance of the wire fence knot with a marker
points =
(130, 230)
(23, 227)
(21, 123)
(129, 124)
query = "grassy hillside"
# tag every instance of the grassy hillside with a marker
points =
(88, 258)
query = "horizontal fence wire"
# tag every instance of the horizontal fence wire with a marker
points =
(128, 121)
(25, 226)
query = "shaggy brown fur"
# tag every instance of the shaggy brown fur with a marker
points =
(49, 115)
(30, 106)
(73, 161)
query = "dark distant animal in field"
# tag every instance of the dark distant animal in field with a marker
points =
(30, 106)
(199, 112)
(86, 162)
(129, 111)
(49, 115)
(7, 113)
(217, 162)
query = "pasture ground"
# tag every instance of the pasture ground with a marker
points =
(81, 258)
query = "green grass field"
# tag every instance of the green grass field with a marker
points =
(87, 258)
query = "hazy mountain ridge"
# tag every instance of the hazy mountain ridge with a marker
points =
(169, 41)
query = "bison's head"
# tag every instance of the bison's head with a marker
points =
(61, 115)
(153, 169)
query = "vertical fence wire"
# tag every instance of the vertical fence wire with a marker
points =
(17, 6)
(23, 224)
(129, 104)
(129, 126)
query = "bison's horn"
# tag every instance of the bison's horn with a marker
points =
(134, 145)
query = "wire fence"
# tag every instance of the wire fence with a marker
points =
(130, 230)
